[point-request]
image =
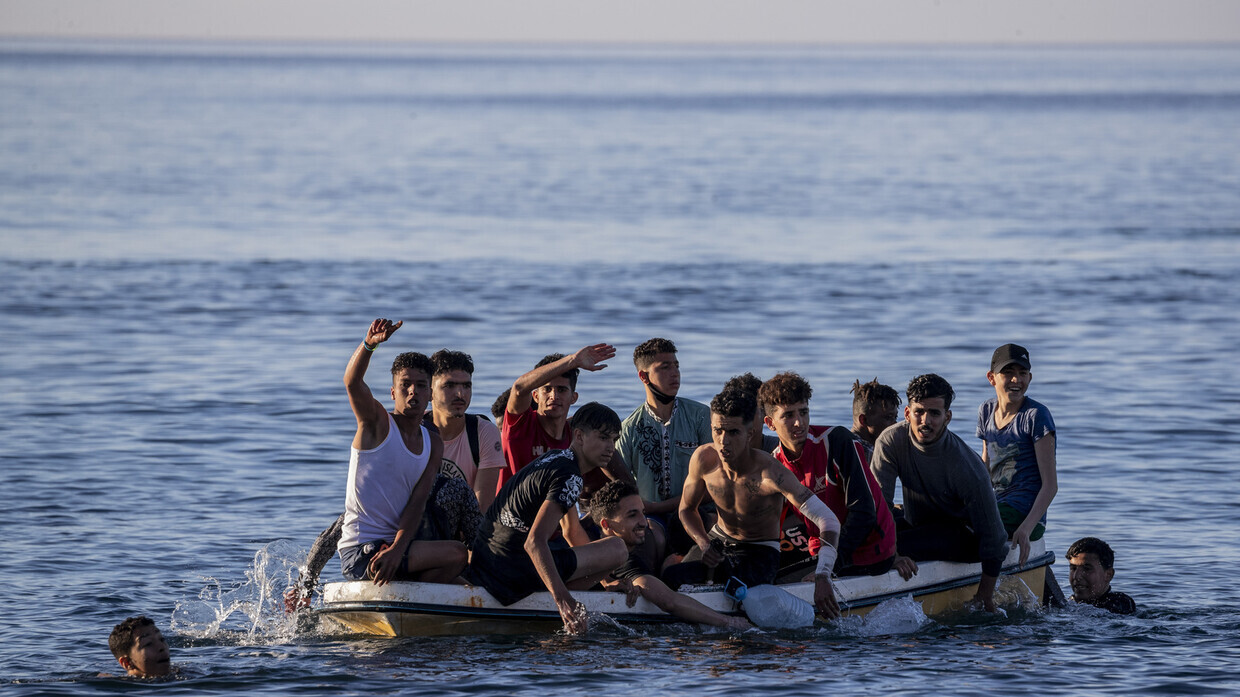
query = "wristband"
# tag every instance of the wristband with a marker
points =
(369, 347)
(826, 560)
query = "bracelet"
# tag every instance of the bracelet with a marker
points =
(369, 347)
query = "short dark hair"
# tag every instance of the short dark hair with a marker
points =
(500, 405)
(645, 352)
(570, 374)
(872, 395)
(733, 403)
(1094, 546)
(929, 386)
(120, 641)
(606, 501)
(445, 361)
(595, 417)
(784, 389)
(414, 360)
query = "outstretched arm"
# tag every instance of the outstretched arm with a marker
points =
(536, 545)
(589, 358)
(683, 606)
(369, 411)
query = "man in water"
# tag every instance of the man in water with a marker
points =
(949, 506)
(659, 437)
(618, 510)
(1091, 565)
(874, 409)
(513, 554)
(749, 488)
(140, 648)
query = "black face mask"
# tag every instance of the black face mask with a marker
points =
(662, 398)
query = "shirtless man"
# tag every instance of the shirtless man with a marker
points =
(392, 467)
(749, 488)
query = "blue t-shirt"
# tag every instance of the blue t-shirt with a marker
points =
(1013, 463)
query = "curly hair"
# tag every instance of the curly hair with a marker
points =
(748, 382)
(871, 396)
(570, 374)
(929, 386)
(606, 501)
(413, 360)
(1094, 546)
(120, 641)
(645, 352)
(735, 403)
(445, 361)
(784, 389)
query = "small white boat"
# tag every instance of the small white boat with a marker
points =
(408, 608)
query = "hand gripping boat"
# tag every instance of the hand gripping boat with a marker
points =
(408, 608)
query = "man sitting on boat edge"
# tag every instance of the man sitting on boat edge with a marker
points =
(749, 488)
(513, 555)
(392, 467)
(949, 506)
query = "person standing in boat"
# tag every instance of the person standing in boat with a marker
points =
(949, 508)
(1018, 445)
(1091, 564)
(749, 488)
(874, 409)
(659, 437)
(513, 554)
(393, 462)
(832, 463)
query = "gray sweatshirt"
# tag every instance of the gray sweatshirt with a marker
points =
(945, 479)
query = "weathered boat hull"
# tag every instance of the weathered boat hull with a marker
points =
(430, 609)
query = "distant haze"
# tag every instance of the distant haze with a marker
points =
(643, 21)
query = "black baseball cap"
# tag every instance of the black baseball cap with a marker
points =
(1008, 354)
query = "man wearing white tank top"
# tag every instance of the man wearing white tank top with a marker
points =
(392, 467)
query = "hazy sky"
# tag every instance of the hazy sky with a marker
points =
(674, 21)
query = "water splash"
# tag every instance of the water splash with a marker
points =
(901, 615)
(246, 612)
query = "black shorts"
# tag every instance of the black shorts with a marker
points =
(512, 576)
(755, 564)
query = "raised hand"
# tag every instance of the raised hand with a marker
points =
(381, 330)
(591, 357)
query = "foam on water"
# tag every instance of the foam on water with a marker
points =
(249, 611)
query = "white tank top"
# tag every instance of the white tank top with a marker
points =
(380, 481)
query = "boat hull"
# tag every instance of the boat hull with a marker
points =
(429, 609)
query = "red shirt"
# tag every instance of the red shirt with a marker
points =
(833, 466)
(525, 440)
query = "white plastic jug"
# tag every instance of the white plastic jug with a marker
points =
(770, 607)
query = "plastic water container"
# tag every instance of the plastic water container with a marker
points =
(770, 607)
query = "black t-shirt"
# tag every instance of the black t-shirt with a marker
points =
(553, 477)
(633, 567)
(1114, 601)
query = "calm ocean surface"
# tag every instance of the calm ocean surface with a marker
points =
(193, 238)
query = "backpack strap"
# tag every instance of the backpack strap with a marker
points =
(471, 432)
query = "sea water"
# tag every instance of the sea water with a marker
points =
(193, 239)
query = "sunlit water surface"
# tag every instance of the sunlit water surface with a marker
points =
(194, 240)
